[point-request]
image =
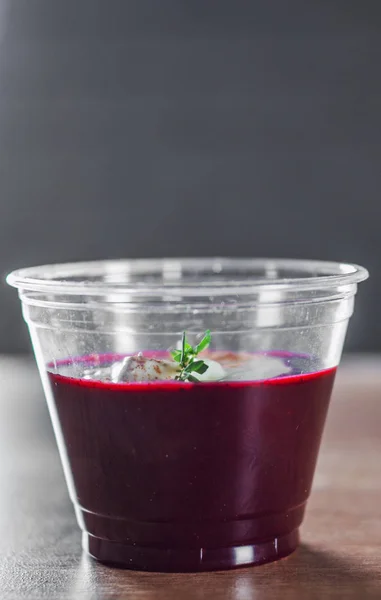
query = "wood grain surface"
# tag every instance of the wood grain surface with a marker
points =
(340, 554)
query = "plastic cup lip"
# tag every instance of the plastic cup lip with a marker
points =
(110, 277)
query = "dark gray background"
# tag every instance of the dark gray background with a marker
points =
(169, 127)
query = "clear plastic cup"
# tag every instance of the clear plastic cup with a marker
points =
(186, 476)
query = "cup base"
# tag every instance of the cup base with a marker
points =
(188, 560)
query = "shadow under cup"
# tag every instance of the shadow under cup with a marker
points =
(179, 476)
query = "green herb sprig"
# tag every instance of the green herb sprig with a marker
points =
(186, 357)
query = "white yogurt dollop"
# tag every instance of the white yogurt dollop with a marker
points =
(143, 368)
(228, 367)
(259, 367)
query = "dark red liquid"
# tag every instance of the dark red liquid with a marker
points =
(173, 476)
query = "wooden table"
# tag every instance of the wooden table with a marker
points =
(340, 555)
